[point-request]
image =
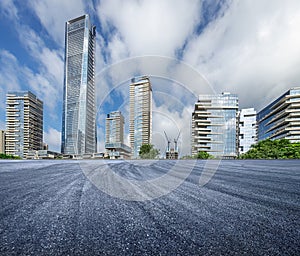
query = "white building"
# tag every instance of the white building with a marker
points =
(24, 123)
(247, 129)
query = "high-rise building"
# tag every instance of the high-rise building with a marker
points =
(79, 101)
(24, 123)
(2, 141)
(140, 127)
(281, 118)
(214, 125)
(114, 143)
(115, 127)
(247, 129)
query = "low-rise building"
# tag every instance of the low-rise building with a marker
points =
(42, 154)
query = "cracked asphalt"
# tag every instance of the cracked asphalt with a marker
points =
(247, 208)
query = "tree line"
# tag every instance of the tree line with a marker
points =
(4, 156)
(265, 149)
(273, 149)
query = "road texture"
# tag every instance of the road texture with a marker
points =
(247, 208)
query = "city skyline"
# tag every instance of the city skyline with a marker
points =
(210, 37)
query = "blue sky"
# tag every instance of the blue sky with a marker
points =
(248, 47)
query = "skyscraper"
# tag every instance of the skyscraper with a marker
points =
(140, 127)
(79, 102)
(114, 128)
(281, 118)
(247, 129)
(24, 123)
(214, 125)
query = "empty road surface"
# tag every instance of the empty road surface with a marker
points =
(149, 208)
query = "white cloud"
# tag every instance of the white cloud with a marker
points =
(8, 9)
(9, 66)
(151, 27)
(172, 122)
(14, 76)
(118, 49)
(2, 125)
(53, 138)
(54, 13)
(47, 78)
(50, 61)
(252, 50)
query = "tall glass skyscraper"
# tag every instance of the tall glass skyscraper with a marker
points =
(24, 123)
(214, 125)
(140, 127)
(79, 101)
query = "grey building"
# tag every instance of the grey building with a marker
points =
(24, 123)
(214, 125)
(114, 143)
(2, 141)
(79, 98)
(114, 127)
(281, 118)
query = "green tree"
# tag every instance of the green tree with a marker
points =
(203, 155)
(273, 149)
(147, 151)
(4, 156)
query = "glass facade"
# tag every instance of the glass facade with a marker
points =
(140, 127)
(79, 102)
(214, 125)
(24, 123)
(281, 118)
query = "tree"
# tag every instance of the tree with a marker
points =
(4, 156)
(147, 151)
(203, 155)
(273, 149)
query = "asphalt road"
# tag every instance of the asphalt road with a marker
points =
(247, 208)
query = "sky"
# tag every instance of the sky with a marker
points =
(248, 47)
